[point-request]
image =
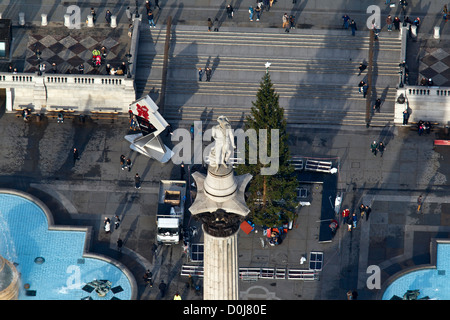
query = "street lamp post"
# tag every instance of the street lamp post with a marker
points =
(137, 10)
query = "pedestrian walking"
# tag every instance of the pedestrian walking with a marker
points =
(445, 13)
(368, 210)
(389, 23)
(210, 24)
(137, 181)
(116, 222)
(250, 13)
(81, 68)
(108, 16)
(216, 25)
(377, 105)
(150, 19)
(200, 74)
(230, 11)
(157, 4)
(119, 245)
(419, 203)
(285, 20)
(208, 73)
(122, 161)
(353, 27)
(148, 278)
(345, 23)
(362, 67)
(361, 84)
(374, 148)
(128, 164)
(76, 155)
(381, 148)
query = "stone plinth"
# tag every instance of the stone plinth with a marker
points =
(9, 280)
(220, 265)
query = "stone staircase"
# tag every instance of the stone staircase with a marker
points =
(315, 73)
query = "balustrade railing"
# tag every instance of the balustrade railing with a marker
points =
(11, 80)
(428, 91)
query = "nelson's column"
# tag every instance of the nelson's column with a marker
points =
(221, 206)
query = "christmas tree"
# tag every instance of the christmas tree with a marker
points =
(272, 199)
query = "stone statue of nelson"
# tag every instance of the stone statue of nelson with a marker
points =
(224, 143)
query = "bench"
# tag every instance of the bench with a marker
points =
(104, 115)
(415, 128)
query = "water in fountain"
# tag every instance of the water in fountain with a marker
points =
(7, 248)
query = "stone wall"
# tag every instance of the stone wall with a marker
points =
(424, 103)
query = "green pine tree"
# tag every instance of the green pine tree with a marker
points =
(272, 198)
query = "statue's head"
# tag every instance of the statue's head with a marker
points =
(223, 121)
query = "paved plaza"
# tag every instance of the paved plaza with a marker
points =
(36, 159)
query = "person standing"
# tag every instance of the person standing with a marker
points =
(76, 155)
(157, 4)
(148, 278)
(122, 161)
(94, 15)
(150, 19)
(119, 245)
(445, 13)
(381, 148)
(137, 181)
(368, 210)
(162, 288)
(374, 148)
(200, 74)
(389, 22)
(396, 23)
(405, 117)
(108, 16)
(128, 164)
(354, 220)
(116, 222)
(353, 27)
(107, 225)
(148, 6)
(419, 203)
(258, 11)
(210, 24)
(362, 210)
(182, 171)
(208, 74)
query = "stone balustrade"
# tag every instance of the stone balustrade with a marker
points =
(82, 92)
